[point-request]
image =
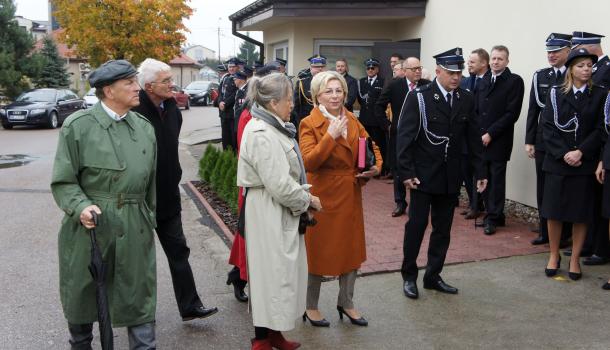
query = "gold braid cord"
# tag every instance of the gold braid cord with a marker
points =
(308, 100)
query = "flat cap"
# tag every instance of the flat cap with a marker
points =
(558, 41)
(110, 72)
(317, 61)
(371, 62)
(584, 38)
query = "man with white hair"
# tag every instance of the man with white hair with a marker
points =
(157, 104)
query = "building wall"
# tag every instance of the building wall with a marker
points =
(521, 25)
(198, 53)
(185, 75)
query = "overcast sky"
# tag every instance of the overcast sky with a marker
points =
(208, 15)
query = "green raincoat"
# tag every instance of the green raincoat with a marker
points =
(112, 165)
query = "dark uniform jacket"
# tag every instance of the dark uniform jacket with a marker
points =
(367, 97)
(227, 95)
(587, 138)
(542, 82)
(167, 130)
(438, 166)
(601, 72)
(394, 94)
(352, 92)
(240, 102)
(303, 104)
(498, 108)
(605, 134)
(470, 84)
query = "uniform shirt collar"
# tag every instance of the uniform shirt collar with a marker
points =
(443, 91)
(112, 114)
(582, 89)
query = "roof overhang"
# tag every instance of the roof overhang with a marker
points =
(263, 14)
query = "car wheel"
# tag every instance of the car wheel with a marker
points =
(52, 123)
(7, 126)
(188, 104)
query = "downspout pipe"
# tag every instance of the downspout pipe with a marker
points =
(261, 46)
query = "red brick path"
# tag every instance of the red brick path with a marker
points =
(384, 235)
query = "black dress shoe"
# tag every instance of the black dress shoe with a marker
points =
(539, 240)
(471, 214)
(357, 321)
(464, 212)
(321, 323)
(595, 260)
(606, 286)
(238, 289)
(440, 286)
(489, 229)
(398, 211)
(575, 276)
(410, 289)
(199, 312)
(552, 272)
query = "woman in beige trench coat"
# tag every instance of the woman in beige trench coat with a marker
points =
(271, 170)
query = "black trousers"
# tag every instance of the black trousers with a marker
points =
(227, 125)
(468, 179)
(171, 236)
(495, 194)
(440, 207)
(566, 231)
(400, 192)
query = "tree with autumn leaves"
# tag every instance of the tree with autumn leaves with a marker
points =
(134, 30)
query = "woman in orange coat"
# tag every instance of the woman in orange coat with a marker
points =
(329, 145)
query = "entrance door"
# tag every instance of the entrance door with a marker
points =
(383, 50)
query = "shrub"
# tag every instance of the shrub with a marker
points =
(207, 162)
(219, 170)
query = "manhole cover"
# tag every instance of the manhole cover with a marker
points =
(14, 160)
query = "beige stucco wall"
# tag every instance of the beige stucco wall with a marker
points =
(188, 75)
(521, 25)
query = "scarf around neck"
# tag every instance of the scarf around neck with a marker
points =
(287, 129)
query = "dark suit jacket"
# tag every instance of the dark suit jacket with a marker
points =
(542, 82)
(438, 172)
(498, 108)
(587, 138)
(167, 124)
(352, 92)
(394, 94)
(367, 97)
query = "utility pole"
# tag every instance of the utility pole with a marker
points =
(219, 61)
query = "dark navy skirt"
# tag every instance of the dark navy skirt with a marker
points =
(568, 198)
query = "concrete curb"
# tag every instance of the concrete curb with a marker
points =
(199, 199)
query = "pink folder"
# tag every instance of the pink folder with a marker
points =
(361, 152)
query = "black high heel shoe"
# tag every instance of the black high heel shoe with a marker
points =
(357, 321)
(321, 323)
(552, 272)
(575, 276)
(238, 291)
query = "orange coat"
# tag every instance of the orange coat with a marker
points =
(336, 244)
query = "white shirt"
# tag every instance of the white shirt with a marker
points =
(371, 80)
(494, 76)
(582, 89)
(443, 91)
(562, 70)
(112, 114)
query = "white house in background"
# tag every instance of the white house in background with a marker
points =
(38, 29)
(358, 29)
(199, 52)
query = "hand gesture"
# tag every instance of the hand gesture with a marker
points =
(337, 126)
(412, 183)
(486, 139)
(530, 150)
(573, 158)
(315, 203)
(481, 185)
(86, 218)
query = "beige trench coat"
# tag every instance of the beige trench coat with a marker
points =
(277, 264)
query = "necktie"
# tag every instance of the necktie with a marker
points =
(476, 82)
(370, 81)
(578, 95)
(449, 99)
(472, 83)
(558, 75)
(411, 86)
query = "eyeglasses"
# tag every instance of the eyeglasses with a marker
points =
(167, 81)
(370, 68)
(415, 69)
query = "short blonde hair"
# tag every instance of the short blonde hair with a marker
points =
(321, 80)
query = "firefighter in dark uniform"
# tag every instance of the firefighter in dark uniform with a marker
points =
(369, 90)
(226, 102)
(557, 48)
(432, 126)
(281, 63)
(597, 244)
(241, 81)
(303, 104)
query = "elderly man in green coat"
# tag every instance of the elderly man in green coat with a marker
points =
(105, 162)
